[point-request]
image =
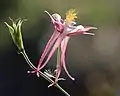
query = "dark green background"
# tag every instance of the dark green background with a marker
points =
(93, 60)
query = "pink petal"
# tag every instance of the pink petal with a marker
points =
(56, 45)
(64, 66)
(48, 46)
(88, 33)
(63, 50)
(81, 30)
(59, 27)
(87, 28)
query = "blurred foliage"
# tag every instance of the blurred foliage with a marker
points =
(97, 56)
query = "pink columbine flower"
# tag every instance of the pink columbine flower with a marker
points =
(64, 29)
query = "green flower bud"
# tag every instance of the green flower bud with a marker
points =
(15, 31)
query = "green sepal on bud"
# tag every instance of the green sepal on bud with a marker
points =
(15, 31)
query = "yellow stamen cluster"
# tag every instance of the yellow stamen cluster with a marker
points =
(71, 15)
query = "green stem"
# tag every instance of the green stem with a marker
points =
(42, 74)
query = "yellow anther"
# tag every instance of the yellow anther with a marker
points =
(71, 15)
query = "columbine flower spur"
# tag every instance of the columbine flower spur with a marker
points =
(63, 30)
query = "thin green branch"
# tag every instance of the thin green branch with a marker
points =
(42, 74)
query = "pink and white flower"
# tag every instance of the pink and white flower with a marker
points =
(64, 29)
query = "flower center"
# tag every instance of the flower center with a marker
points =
(71, 15)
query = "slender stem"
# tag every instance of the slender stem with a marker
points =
(42, 74)
(28, 60)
